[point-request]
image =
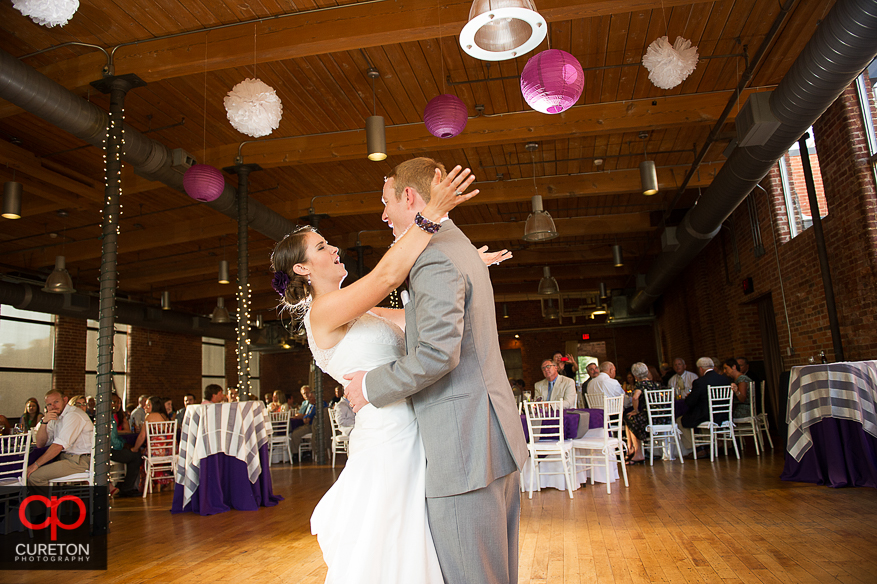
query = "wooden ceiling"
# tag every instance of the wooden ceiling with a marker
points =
(317, 62)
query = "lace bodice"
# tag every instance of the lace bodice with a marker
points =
(370, 341)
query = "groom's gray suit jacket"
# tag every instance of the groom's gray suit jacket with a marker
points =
(454, 371)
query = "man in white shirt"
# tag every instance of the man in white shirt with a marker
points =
(139, 414)
(69, 434)
(555, 387)
(681, 382)
(605, 381)
(344, 416)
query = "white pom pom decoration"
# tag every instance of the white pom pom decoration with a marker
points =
(47, 12)
(669, 65)
(253, 108)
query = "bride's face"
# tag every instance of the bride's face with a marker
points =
(323, 261)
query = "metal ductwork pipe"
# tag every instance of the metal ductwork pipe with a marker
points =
(843, 45)
(30, 297)
(32, 91)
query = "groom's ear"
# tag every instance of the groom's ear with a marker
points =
(413, 199)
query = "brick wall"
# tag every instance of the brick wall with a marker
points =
(163, 364)
(69, 368)
(706, 313)
(289, 370)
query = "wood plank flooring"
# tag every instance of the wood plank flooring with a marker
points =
(725, 522)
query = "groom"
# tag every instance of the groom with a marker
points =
(454, 374)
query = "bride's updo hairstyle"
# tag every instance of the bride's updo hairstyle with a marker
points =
(293, 288)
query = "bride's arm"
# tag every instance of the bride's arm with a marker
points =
(332, 311)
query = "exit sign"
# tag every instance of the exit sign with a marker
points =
(585, 336)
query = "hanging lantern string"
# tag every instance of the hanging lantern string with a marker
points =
(255, 24)
(666, 26)
(374, 99)
(204, 152)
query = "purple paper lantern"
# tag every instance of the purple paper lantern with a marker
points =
(552, 81)
(445, 116)
(203, 182)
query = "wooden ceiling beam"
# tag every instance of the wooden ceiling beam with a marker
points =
(352, 27)
(528, 126)
(594, 184)
(53, 174)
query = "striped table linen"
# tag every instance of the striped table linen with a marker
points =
(845, 391)
(235, 429)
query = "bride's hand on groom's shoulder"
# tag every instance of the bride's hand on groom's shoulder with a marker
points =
(491, 258)
(447, 193)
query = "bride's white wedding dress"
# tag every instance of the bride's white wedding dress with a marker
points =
(372, 524)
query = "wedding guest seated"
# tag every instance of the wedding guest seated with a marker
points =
(344, 415)
(637, 420)
(120, 453)
(296, 436)
(188, 400)
(566, 364)
(305, 404)
(31, 416)
(555, 387)
(605, 381)
(80, 402)
(740, 385)
(154, 413)
(68, 433)
(5, 426)
(682, 380)
(339, 394)
(213, 394)
(268, 398)
(698, 400)
(137, 416)
(232, 394)
(278, 403)
(120, 416)
(593, 371)
(90, 409)
(666, 373)
(168, 408)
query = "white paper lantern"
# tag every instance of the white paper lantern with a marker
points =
(253, 108)
(47, 12)
(669, 65)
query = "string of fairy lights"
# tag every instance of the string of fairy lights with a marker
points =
(242, 350)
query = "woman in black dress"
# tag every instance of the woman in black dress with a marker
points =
(637, 420)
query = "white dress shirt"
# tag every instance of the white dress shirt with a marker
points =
(605, 385)
(73, 430)
(682, 382)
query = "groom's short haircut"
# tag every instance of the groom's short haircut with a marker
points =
(416, 173)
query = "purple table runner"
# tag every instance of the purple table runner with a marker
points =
(225, 485)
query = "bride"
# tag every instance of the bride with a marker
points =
(372, 524)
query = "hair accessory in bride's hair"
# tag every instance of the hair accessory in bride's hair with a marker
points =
(280, 282)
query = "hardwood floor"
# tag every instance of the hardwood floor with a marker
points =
(729, 521)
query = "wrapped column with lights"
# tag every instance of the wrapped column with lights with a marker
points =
(243, 292)
(114, 144)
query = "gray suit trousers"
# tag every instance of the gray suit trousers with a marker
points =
(472, 546)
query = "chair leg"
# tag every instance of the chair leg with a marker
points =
(566, 471)
(734, 442)
(679, 447)
(532, 472)
(606, 468)
(767, 432)
(651, 451)
(693, 446)
(620, 460)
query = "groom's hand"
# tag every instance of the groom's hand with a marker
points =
(354, 390)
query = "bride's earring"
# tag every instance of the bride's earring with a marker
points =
(309, 279)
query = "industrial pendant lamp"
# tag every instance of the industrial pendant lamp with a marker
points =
(375, 137)
(617, 258)
(648, 174)
(220, 314)
(603, 294)
(165, 300)
(499, 30)
(223, 272)
(12, 199)
(59, 281)
(539, 225)
(547, 285)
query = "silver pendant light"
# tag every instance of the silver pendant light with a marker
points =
(499, 30)
(547, 285)
(375, 136)
(59, 281)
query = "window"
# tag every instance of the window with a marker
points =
(865, 90)
(27, 351)
(795, 189)
(120, 359)
(255, 382)
(212, 362)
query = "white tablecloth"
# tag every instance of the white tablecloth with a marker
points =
(846, 391)
(235, 429)
(558, 482)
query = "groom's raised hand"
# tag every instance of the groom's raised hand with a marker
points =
(353, 392)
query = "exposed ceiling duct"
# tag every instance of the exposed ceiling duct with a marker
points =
(32, 91)
(843, 45)
(29, 297)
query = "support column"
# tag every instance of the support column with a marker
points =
(117, 88)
